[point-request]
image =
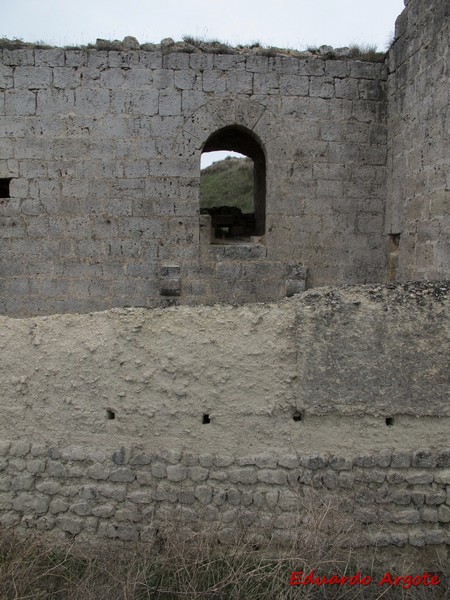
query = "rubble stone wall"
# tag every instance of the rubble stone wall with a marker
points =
(397, 498)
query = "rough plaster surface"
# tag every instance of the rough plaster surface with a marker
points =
(344, 359)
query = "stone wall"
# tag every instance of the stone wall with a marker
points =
(103, 152)
(115, 422)
(100, 171)
(419, 149)
(397, 498)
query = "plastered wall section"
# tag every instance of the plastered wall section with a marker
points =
(103, 152)
(311, 398)
(419, 149)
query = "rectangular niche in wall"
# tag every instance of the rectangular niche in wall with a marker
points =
(4, 188)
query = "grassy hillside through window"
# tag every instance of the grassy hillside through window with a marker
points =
(228, 183)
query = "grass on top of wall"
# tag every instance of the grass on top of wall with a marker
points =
(191, 44)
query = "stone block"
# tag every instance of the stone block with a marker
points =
(321, 87)
(330, 480)
(443, 458)
(141, 459)
(188, 459)
(272, 476)
(314, 462)
(115, 492)
(172, 457)
(19, 57)
(366, 461)
(340, 464)
(218, 475)
(435, 497)
(197, 473)
(98, 471)
(417, 538)
(6, 499)
(219, 497)
(223, 460)
(401, 460)
(121, 456)
(71, 525)
(419, 477)
(406, 517)
(176, 473)
(288, 462)
(169, 103)
(289, 501)
(32, 78)
(31, 504)
(127, 514)
(346, 480)
(424, 459)
(204, 494)
(103, 511)
(272, 498)
(5, 484)
(88, 492)
(295, 85)
(186, 497)
(6, 77)
(206, 460)
(58, 505)
(122, 474)
(266, 461)
(396, 477)
(233, 496)
(23, 481)
(36, 466)
(429, 515)
(257, 64)
(384, 458)
(435, 537)
(140, 497)
(54, 57)
(82, 508)
(442, 476)
(20, 448)
(246, 475)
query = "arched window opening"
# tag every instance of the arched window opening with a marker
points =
(233, 190)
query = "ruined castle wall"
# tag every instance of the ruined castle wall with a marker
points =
(224, 414)
(419, 149)
(103, 151)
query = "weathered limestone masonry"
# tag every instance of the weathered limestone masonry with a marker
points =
(103, 149)
(418, 142)
(100, 169)
(115, 421)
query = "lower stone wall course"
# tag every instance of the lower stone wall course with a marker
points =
(127, 494)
